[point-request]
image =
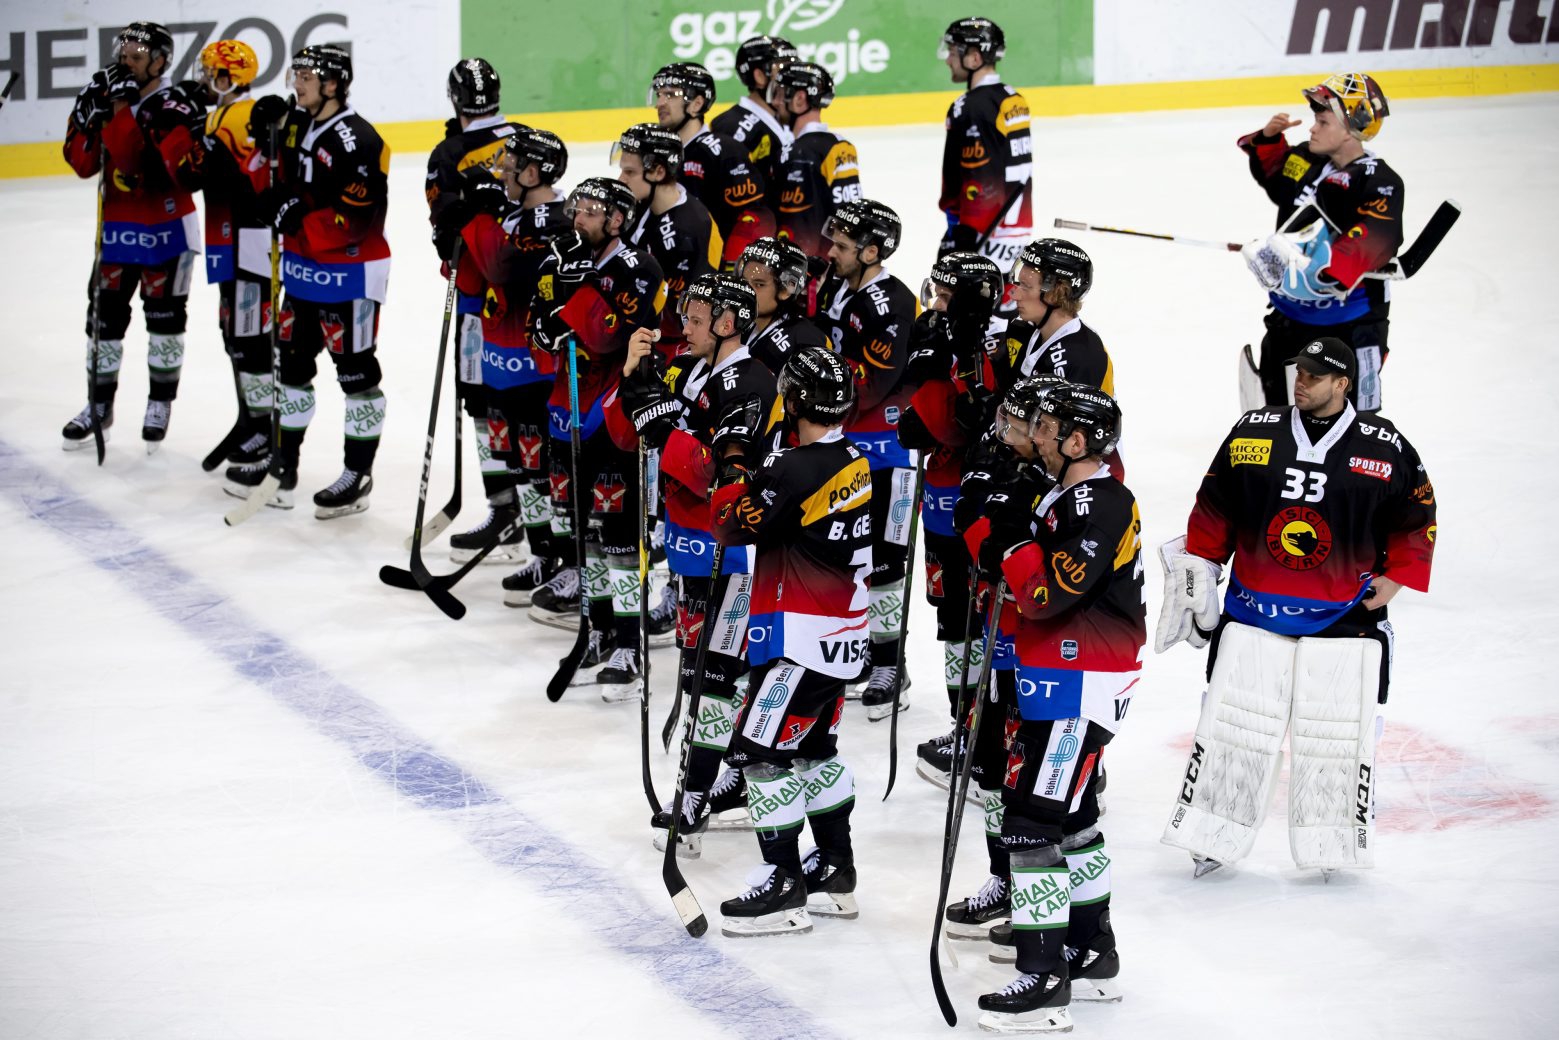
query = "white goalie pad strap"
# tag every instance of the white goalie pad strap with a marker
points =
(1190, 597)
(1237, 749)
(1331, 804)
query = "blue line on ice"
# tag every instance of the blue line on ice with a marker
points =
(739, 1001)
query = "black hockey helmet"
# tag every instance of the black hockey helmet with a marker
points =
(788, 262)
(810, 78)
(761, 52)
(976, 284)
(689, 79)
(542, 147)
(1021, 405)
(1056, 259)
(327, 61)
(613, 194)
(724, 293)
(976, 34)
(816, 384)
(654, 145)
(473, 87)
(154, 37)
(866, 222)
(1077, 406)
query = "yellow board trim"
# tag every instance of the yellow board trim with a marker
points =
(42, 159)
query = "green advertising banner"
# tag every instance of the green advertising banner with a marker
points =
(558, 58)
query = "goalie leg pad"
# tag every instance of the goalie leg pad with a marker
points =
(1331, 804)
(1237, 750)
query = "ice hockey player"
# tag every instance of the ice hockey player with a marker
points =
(715, 168)
(461, 183)
(806, 511)
(595, 290)
(673, 226)
(987, 161)
(951, 410)
(869, 314)
(777, 272)
(503, 245)
(819, 171)
(149, 230)
(1327, 514)
(1071, 559)
(329, 208)
(676, 414)
(752, 122)
(1049, 282)
(1340, 211)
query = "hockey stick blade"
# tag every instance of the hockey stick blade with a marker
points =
(268, 486)
(569, 665)
(1429, 239)
(687, 907)
(215, 456)
(400, 578)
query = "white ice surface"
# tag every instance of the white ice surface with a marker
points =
(190, 849)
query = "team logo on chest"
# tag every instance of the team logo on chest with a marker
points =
(1299, 539)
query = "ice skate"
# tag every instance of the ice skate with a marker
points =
(878, 697)
(620, 678)
(972, 918)
(77, 433)
(663, 618)
(597, 650)
(1004, 948)
(1093, 970)
(830, 886)
(255, 448)
(728, 802)
(243, 479)
(348, 495)
(775, 903)
(465, 545)
(154, 427)
(1203, 865)
(690, 836)
(521, 586)
(556, 601)
(1028, 1004)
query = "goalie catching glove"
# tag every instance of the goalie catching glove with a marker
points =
(1190, 597)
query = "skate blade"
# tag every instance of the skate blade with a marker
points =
(1003, 955)
(511, 555)
(621, 693)
(854, 691)
(152, 446)
(966, 932)
(332, 512)
(783, 922)
(661, 640)
(834, 904)
(281, 500)
(516, 598)
(86, 442)
(1044, 1020)
(1102, 991)
(567, 621)
(1203, 867)
(932, 775)
(878, 712)
(689, 846)
(586, 675)
(731, 820)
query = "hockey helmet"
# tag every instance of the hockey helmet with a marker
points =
(1355, 99)
(866, 222)
(473, 87)
(788, 263)
(725, 294)
(816, 384)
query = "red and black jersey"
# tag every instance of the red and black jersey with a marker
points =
(759, 134)
(340, 168)
(148, 218)
(479, 145)
(686, 461)
(987, 169)
(717, 171)
(685, 243)
(1310, 521)
(1074, 353)
(626, 293)
(1362, 203)
(870, 327)
(505, 261)
(788, 330)
(819, 172)
(807, 510)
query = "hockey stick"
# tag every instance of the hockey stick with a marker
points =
(446, 516)
(569, 665)
(10, 84)
(1078, 225)
(235, 436)
(909, 584)
(417, 569)
(438, 585)
(963, 762)
(272, 480)
(644, 627)
(682, 897)
(1408, 262)
(97, 313)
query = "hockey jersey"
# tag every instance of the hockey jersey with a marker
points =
(788, 330)
(759, 134)
(717, 172)
(340, 169)
(506, 258)
(1362, 204)
(147, 217)
(819, 172)
(1311, 522)
(987, 169)
(686, 461)
(479, 145)
(685, 243)
(870, 327)
(807, 510)
(1074, 353)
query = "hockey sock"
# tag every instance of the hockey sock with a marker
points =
(995, 812)
(110, 355)
(1089, 867)
(1041, 898)
(164, 363)
(257, 398)
(624, 580)
(297, 411)
(597, 586)
(953, 667)
(829, 790)
(495, 471)
(536, 516)
(364, 424)
(885, 609)
(711, 737)
(776, 801)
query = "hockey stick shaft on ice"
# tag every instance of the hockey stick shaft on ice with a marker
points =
(445, 516)
(909, 584)
(644, 627)
(569, 665)
(94, 420)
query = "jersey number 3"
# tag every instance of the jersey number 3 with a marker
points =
(1311, 487)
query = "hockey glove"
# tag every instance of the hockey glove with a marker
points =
(1012, 502)
(575, 262)
(483, 193)
(652, 409)
(959, 238)
(985, 466)
(914, 434)
(739, 425)
(548, 327)
(452, 128)
(974, 409)
(123, 88)
(92, 109)
(278, 207)
(1190, 597)
(268, 113)
(1002, 540)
